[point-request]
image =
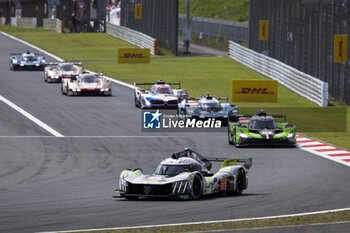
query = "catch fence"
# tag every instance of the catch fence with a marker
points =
(302, 34)
(155, 18)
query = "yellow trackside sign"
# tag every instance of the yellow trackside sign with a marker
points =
(138, 11)
(254, 90)
(263, 30)
(340, 48)
(134, 55)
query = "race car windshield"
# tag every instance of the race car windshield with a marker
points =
(68, 68)
(166, 90)
(210, 106)
(172, 170)
(265, 124)
(29, 58)
(89, 79)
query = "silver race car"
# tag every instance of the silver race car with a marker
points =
(185, 175)
(86, 84)
(55, 71)
(161, 95)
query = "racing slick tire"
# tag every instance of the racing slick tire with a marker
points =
(137, 104)
(235, 140)
(45, 77)
(229, 136)
(62, 89)
(240, 182)
(196, 190)
(68, 91)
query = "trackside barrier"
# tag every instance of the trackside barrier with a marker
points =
(55, 24)
(133, 37)
(30, 22)
(3, 20)
(303, 84)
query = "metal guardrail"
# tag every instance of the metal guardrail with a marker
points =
(55, 24)
(134, 37)
(303, 84)
(30, 22)
(207, 28)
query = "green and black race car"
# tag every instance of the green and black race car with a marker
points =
(261, 129)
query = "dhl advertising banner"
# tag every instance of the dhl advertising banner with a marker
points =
(138, 11)
(263, 30)
(254, 90)
(340, 48)
(134, 55)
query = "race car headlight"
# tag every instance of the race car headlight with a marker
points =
(74, 89)
(279, 135)
(14, 61)
(37, 64)
(291, 134)
(122, 185)
(78, 89)
(179, 187)
(242, 134)
(255, 135)
(147, 102)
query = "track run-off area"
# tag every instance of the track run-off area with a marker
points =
(59, 172)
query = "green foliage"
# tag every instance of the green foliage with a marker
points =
(234, 10)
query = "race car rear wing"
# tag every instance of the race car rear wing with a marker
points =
(36, 54)
(56, 63)
(158, 82)
(247, 163)
(236, 117)
(218, 98)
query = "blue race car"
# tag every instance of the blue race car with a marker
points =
(27, 61)
(207, 107)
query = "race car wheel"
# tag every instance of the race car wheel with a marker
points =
(196, 188)
(229, 135)
(68, 91)
(62, 89)
(240, 182)
(136, 102)
(45, 79)
(235, 139)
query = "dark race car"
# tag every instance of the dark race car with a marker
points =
(261, 129)
(27, 61)
(207, 107)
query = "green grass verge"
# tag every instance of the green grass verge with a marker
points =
(342, 216)
(197, 75)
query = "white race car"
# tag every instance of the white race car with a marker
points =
(86, 84)
(161, 95)
(186, 175)
(54, 71)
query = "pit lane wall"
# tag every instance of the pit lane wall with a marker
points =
(55, 24)
(30, 22)
(303, 84)
(134, 37)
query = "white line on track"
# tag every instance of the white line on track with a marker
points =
(31, 117)
(207, 222)
(116, 136)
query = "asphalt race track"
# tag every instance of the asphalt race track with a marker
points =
(52, 183)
